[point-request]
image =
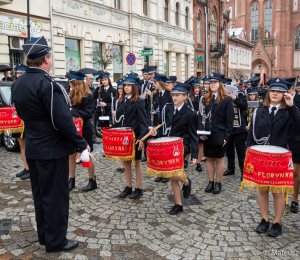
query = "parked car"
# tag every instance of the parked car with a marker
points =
(10, 143)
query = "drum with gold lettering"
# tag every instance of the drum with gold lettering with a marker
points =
(268, 168)
(118, 143)
(165, 157)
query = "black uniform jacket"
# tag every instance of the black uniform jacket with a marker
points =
(85, 110)
(281, 128)
(135, 117)
(106, 98)
(294, 138)
(221, 121)
(166, 98)
(262, 92)
(31, 94)
(182, 125)
(8, 79)
(196, 103)
(242, 105)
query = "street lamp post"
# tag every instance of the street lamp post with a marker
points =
(28, 22)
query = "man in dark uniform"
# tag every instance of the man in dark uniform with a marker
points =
(239, 134)
(51, 136)
(6, 77)
(143, 82)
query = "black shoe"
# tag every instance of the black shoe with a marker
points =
(185, 164)
(177, 208)
(210, 187)
(21, 173)
(26, 176)
(79, 162)
(122, 170)
(92, 185)
(187, 189)
(126, 192)
(71, 184)
(119, 169)
(228, 172)
(165, 180)
(203, 160)
(136, 194)
(158, 179)
(275, 230)
(71, 245)
(144, 159)
(199, 167)
(217, 189)
(294, 207)
(263, 226)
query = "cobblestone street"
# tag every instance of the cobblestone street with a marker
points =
(211, 227)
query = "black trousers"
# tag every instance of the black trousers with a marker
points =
(49, 183)
(239, 141)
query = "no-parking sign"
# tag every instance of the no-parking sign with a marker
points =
(130, 59)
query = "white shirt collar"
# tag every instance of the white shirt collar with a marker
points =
(163, 92)
(128, 97)
(277, 106)
(178, 108)
(106, 88)
(216, 95)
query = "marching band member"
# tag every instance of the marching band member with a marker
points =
(252, 95)
(273, 124)
(143, 82)
(119, 93)
(294, 146)
(171, 81)
(131, 113)
(195, 94)
(51, 136)
(239, 134)
(161, 96)
(216, 115)
(83, 107)
(25, 174)
(180, 121)
(104, 95)
(206, 84)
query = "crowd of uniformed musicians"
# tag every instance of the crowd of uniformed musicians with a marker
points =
(142, 104)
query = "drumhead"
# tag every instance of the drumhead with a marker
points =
(121, 128)
(269, 149)
(164, 139)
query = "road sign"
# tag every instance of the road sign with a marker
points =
(198, 58)
(130, 67)
(130, 59)
(147, 52)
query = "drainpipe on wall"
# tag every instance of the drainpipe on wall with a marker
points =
(52, 38)
(206, 47)
(130, 26)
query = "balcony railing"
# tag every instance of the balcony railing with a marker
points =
(268, 42)
(217, 47)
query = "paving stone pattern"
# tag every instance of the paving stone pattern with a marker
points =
(211, 227)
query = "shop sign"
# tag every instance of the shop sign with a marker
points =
(177, 48)
(18, 27)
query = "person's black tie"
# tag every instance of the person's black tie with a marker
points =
(214, 98)
(176, 112)
(126, 98)
(160, 96)
(272, 114)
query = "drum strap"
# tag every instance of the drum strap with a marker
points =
(263, 140)
(165, 128)
(121, 117)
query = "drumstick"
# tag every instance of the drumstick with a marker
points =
(147, 135)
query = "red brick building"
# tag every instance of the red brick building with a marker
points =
(211, 19)
(273, 26)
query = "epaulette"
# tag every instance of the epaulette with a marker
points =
(242, 92)
(49, 77)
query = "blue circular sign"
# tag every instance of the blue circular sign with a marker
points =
(130, 59)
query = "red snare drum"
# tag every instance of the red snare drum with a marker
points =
(268, 168)
(119, 143)
(165, 157)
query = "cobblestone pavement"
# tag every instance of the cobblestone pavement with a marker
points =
(211, 226)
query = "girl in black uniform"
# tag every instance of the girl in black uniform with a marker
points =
(104, 99)
(131, 112)
(195, 94)
(216, 115)
(252, 95)
(83, 107)
(161, 96)
(275, 122)
(25, 174)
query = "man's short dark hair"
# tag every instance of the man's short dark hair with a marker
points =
(38, 61)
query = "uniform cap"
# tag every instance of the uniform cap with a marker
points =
(131, 78)
(36, 48)
(280, 85)
(105, 74)
(76, 75)
(181, 88)
(21, 68)
(252, 90)
(216, 77)
(160, 77)
(172, 79)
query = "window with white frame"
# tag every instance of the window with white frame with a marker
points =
(213, 66)
(199, 28)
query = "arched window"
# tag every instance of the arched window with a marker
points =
(268, 19)
(117, 4)
(145, 7)
(297, 38)
(199, 28)
(213, 27)
(254, 21)
(177, 14)
(187, 18)
(166, 10)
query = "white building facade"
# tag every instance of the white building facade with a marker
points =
(130, 26)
